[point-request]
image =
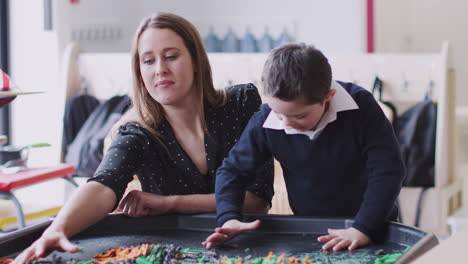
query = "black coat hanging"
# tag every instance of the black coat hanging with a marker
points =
(387, 107)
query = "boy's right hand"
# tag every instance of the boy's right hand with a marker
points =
(42, 247)
(229, 230)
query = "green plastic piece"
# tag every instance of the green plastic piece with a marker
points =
(247, 250)
(158, 256)
(191, 250)
(388, 259)
(143, 260)
(40, 145)
(154, 250)
(201, 259)
(257, 261)
(84, 262)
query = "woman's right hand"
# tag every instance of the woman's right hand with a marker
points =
(48, 242)
(138, 204)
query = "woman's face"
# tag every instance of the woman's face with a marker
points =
(166, 66)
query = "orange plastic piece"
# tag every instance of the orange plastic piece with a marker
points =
(122, 254)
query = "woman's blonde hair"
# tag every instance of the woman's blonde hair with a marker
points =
(147, 111)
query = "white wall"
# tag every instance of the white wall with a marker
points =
(36, 118)
(422, 26)
(34, 67)
(104, 25)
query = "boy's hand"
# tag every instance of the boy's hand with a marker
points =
(229, 230)
(339, 239)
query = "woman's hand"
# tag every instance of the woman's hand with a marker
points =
(339, 239)
(229, 230)
(48, 242)
(138, 204)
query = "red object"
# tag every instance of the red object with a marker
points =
(370, 26)
(5, 81)
(73, 1)
(6, 99)
(32, 176)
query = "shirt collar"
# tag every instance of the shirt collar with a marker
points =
(342, 101)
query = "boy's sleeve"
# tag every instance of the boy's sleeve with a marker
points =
(385, 168)
(247, 102)
(262, 181)
(239, 170)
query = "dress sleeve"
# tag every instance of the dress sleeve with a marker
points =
(124, 158)
(246, 101)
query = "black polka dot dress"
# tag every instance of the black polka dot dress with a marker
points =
(168, 170)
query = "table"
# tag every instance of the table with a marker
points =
(9, 182)
(8, 96)
(281, 234)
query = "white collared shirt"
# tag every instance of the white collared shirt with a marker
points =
(342, 101)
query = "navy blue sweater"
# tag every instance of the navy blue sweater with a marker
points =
(353, 169)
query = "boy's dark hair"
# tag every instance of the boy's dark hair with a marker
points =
(297, 70)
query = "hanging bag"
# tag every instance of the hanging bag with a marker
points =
(416, 130)
(388, 108)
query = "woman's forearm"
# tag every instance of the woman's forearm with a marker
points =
(89, 204)
(192, 203)
(206, 203)
(254, 204)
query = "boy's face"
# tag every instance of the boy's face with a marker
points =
(297, 114)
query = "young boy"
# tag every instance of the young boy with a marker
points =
(338, 151)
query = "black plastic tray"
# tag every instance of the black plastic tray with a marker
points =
(281, 234)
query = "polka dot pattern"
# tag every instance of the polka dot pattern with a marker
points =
(168, 170)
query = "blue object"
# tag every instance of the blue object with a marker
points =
(266, 43)
(284, 38)
(212, 42)
(231, 42)
(248, 43)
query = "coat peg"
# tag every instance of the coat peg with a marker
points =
(405, 83)
(430, 87)
(430, 90)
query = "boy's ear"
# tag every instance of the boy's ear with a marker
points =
(330, 95)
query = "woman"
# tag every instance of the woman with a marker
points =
(182, 130)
